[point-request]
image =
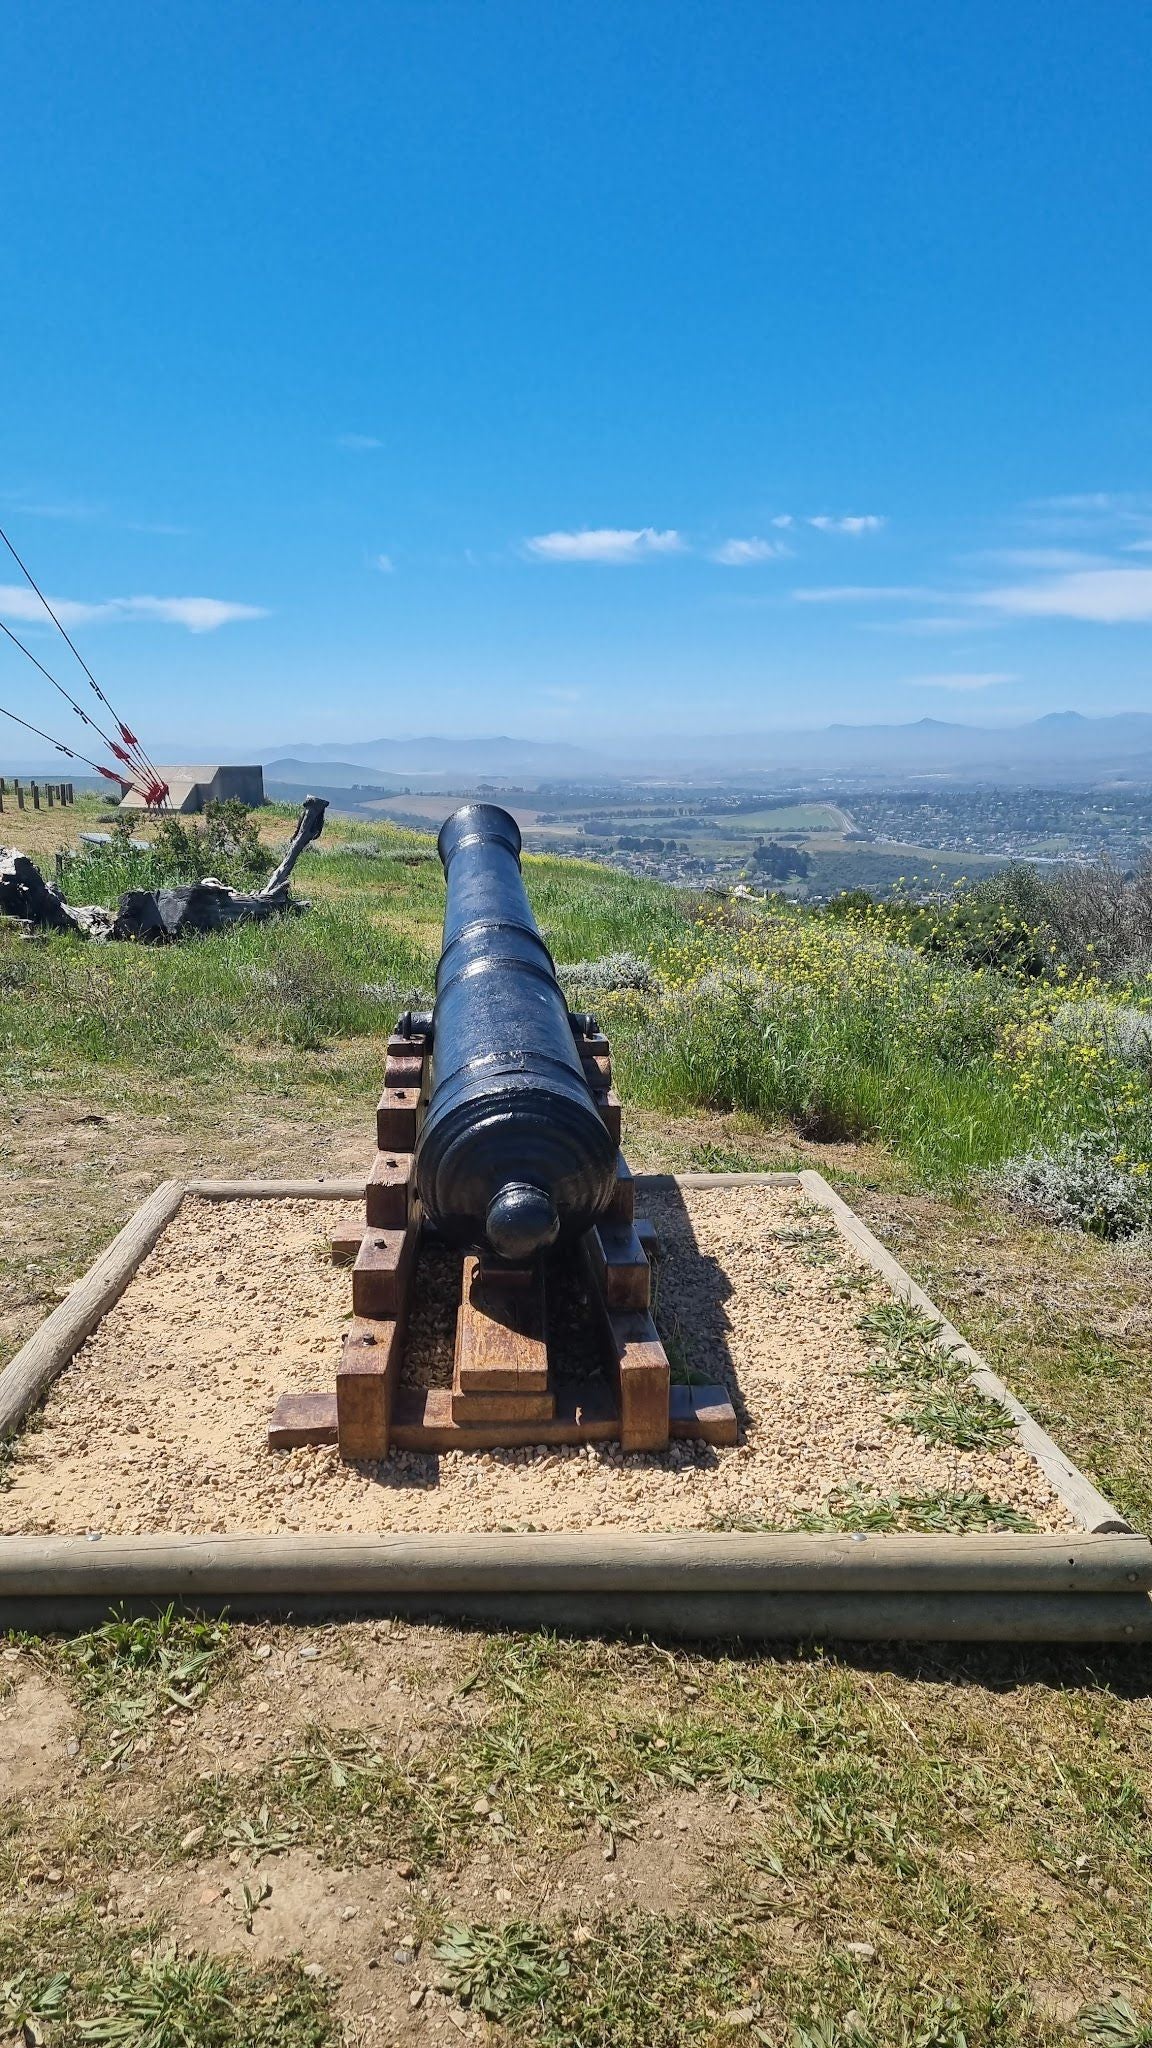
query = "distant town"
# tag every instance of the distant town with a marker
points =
(808, 841)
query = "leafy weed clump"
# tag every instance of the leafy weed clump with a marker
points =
(854, 1508)
(966, 1420)
(131, 1672)
(498, 1971)
(912, 1353)
(168, 2000)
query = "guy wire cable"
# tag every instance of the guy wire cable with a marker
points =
(82, 715)
(109, 774)
(146, 764)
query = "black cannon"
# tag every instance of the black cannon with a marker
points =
(512, 1153)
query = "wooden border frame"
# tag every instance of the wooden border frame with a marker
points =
(1090, 1586)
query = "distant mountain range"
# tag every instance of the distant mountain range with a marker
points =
(434, 758)
(1063, 747)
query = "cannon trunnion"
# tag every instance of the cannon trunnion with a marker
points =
(512, 1153)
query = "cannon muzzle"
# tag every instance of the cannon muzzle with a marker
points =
(512, 1153)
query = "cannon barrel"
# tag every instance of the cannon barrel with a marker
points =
(512, 1153)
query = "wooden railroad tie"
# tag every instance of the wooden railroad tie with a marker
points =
(505, 1390)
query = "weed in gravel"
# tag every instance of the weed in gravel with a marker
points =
(955, 1513)
(818, 1244)
(902, 1326)
(912, 1354)
(966, 1420)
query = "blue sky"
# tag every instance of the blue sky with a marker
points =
(598, 370)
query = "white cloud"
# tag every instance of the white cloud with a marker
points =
(864, 593)
(940, 623)
(198, 614)
(359, 444)
(866, 522)
(1114, 502)
(385, 564)
(738, 554)
(972, 680)
(1046, 558)
(604, 544)
(784, 519)
(1109, 597)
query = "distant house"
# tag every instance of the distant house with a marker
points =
(189, 789)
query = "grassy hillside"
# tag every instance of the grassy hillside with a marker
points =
(309, 1837)
(785, 1015)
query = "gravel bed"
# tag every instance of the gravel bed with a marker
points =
(159, 1422)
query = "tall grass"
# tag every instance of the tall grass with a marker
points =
(298, 984)
(774, 1011)
(800, 1019)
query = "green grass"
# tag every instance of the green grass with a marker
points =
(822, 1027)
(904, 1847)
(822, 1070)
(1092, 1393)
(129, 1673)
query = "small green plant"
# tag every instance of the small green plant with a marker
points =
(817, 1244)
(966, 1420)
(820, 2030)
(852, 1508)
(500, 1971)
(262, 1836)
(131, 1670)
(912, 1354)
(26, 1998)
(1114, 2025)
(254, 1898)
(200, 2001)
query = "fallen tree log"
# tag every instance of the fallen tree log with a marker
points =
(153, 916)
(25, 894)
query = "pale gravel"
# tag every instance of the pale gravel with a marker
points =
(159, 1422)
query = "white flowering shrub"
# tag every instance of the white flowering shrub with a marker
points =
(1081, 1184)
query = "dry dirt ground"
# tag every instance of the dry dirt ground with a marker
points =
(683, 1847)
